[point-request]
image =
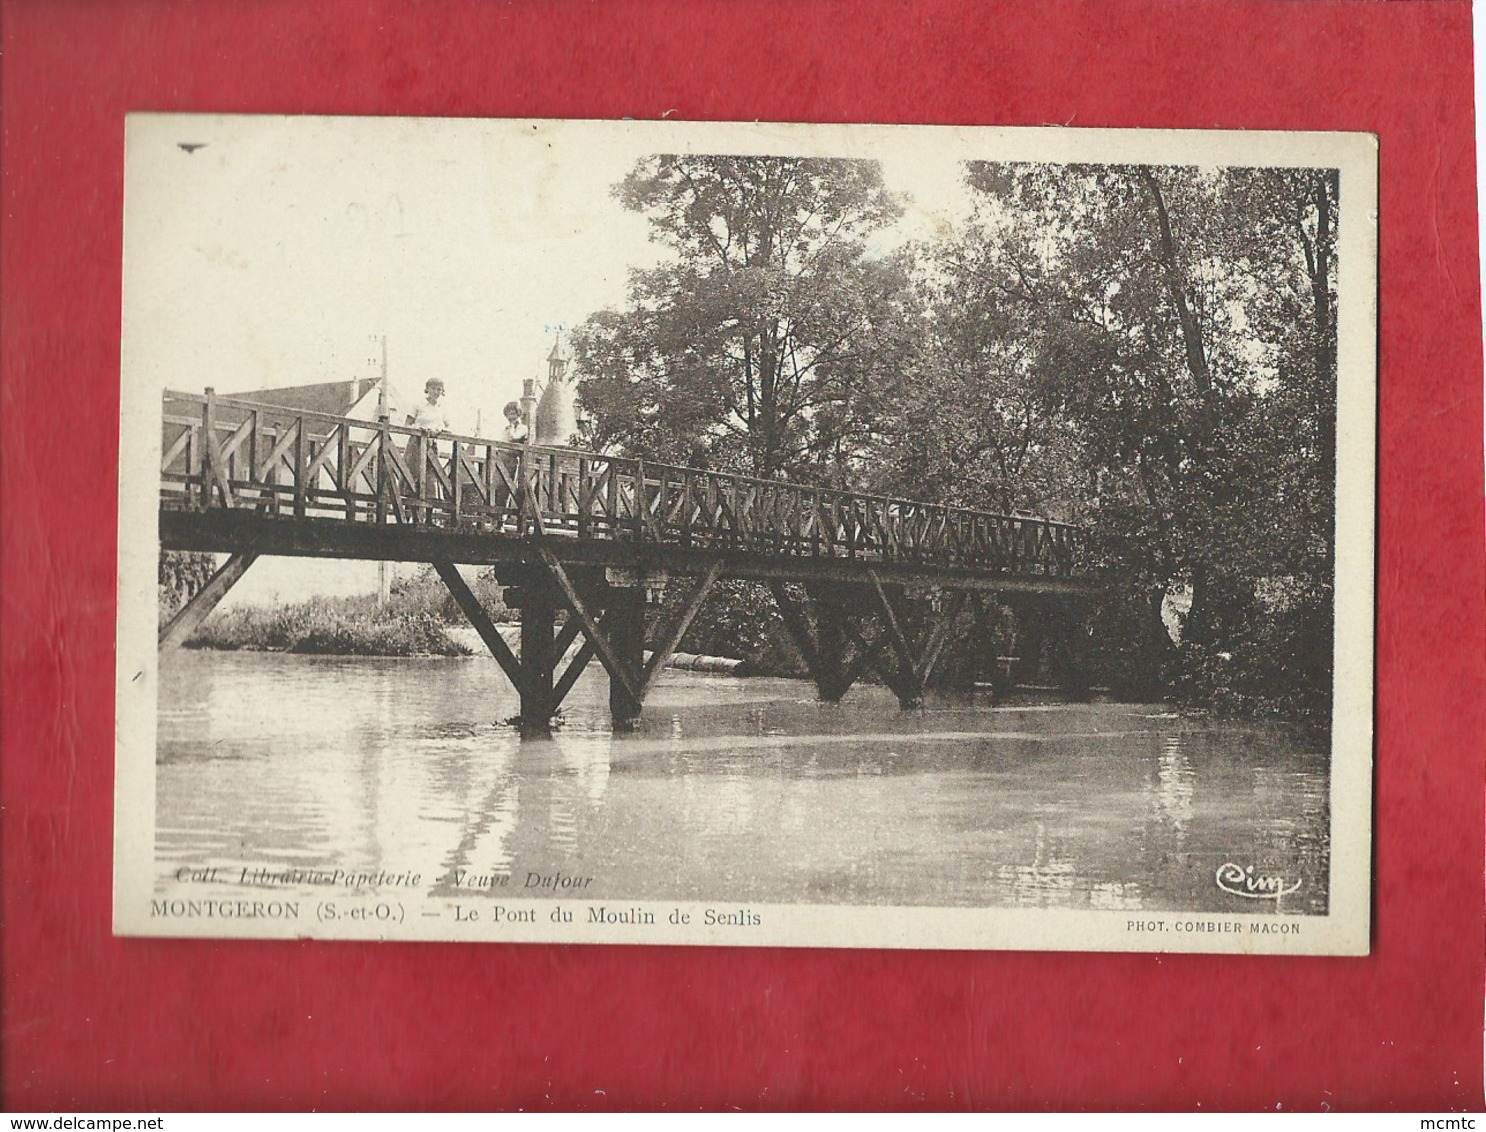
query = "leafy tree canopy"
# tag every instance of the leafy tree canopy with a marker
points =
(769, 339)
(1151, 352)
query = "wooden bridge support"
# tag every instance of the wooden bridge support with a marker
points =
(915, 654)
(533, 673)
(619, 638)
(538, 627)
(1052, 639)
(611, 619)
(624, 621)
(841, 653)
(823, 643)
(190, 616)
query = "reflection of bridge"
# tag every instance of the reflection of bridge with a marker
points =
(862, 581)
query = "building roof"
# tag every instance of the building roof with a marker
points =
(557, 418)
(333, 397)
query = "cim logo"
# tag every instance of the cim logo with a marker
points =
(1240, 881)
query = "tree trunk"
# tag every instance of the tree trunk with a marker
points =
(1322, 327)
(1176, 288)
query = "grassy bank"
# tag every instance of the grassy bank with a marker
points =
(327, 626)
(415, 621)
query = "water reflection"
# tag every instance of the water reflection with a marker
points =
(1174, 778)
(737, 790)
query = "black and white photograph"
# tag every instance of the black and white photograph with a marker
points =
(746, 534)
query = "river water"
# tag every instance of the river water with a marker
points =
(731, 789)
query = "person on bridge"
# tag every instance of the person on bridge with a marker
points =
(515, 431)
(431, 418)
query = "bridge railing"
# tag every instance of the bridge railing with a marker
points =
(218, 452)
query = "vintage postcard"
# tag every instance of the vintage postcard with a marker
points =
(746, 534)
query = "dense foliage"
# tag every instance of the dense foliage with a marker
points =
(1175, 333)
(769, 342)
(180, 576)
(1150, 352)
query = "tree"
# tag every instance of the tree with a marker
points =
(980, 422)
(181, 574)
(1161, 341)
(770, 335)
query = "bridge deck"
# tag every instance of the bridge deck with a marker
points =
(238, 476)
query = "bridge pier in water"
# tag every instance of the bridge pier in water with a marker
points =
(624, 621)
(838, 663)
(607, 608)
(538, 628)
(841, 632)
(830, 631)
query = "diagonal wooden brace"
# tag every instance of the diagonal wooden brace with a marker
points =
(574, 670)
(797, 625)
(214, 471)
(823, 646)
(916, 660)
(566, 636)
(470, 605)
(669, 640)
(630, 680)
(938, 636)
(864, 653)
(190, 616)
(867, 654)
(896, 637)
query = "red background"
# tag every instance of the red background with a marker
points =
(90, 1021)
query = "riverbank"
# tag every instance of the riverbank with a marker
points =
(323, 627)
(305, 630)
(358, 626)
(419, 618)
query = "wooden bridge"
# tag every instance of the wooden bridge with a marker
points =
(585, 543)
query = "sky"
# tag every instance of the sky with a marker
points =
(283, 249)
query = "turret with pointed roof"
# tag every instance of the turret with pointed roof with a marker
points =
(557, 419)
